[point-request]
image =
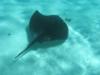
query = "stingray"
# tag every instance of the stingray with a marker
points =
(45, 29)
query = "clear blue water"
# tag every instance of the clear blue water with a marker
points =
(79, 55)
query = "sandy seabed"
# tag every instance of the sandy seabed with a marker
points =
(79, 55)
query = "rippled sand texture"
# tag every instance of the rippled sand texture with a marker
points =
(79, 55)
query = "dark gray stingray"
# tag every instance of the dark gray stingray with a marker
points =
(43, 29)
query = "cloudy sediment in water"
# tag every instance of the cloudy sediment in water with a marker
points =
(78, 55)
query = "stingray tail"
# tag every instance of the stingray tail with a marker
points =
(26, 50)
(21, 54)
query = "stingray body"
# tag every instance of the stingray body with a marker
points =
(46, 29)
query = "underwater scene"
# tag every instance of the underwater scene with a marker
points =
(49, 37)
